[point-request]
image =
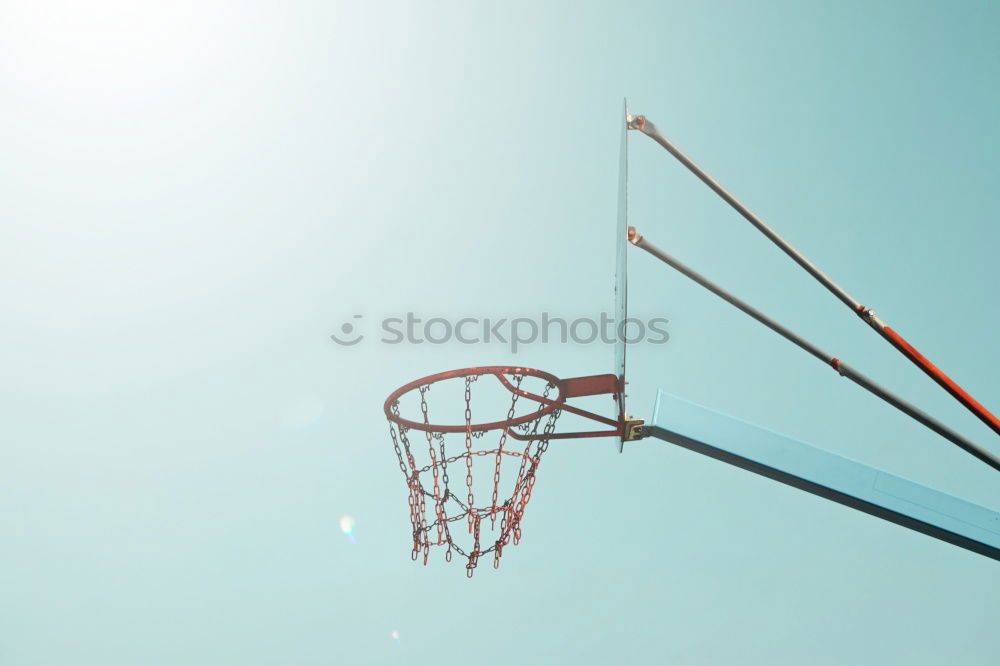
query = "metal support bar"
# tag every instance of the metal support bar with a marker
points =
(857, 377)
(642, 124)
(565, 435)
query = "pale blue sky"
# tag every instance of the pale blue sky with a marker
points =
(196, 195)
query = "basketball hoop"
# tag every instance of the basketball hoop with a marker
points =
(509, 449)
(435, 507)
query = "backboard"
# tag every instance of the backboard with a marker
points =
(620, 311)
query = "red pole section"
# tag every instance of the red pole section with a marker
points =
(942, 379)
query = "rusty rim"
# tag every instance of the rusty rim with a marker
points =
(497, 371)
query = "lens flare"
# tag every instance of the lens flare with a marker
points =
(347, 527)
(395, 635)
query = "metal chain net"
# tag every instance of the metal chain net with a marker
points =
(436, 509)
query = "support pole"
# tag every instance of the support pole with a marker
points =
(642, 124)
(842, 368)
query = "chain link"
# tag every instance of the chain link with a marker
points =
(438, 500)
(468, 443)
(503, 440)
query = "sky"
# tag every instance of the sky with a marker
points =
(197, 196)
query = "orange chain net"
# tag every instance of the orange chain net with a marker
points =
(435, 508)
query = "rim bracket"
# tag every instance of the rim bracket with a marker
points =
(635, 429)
